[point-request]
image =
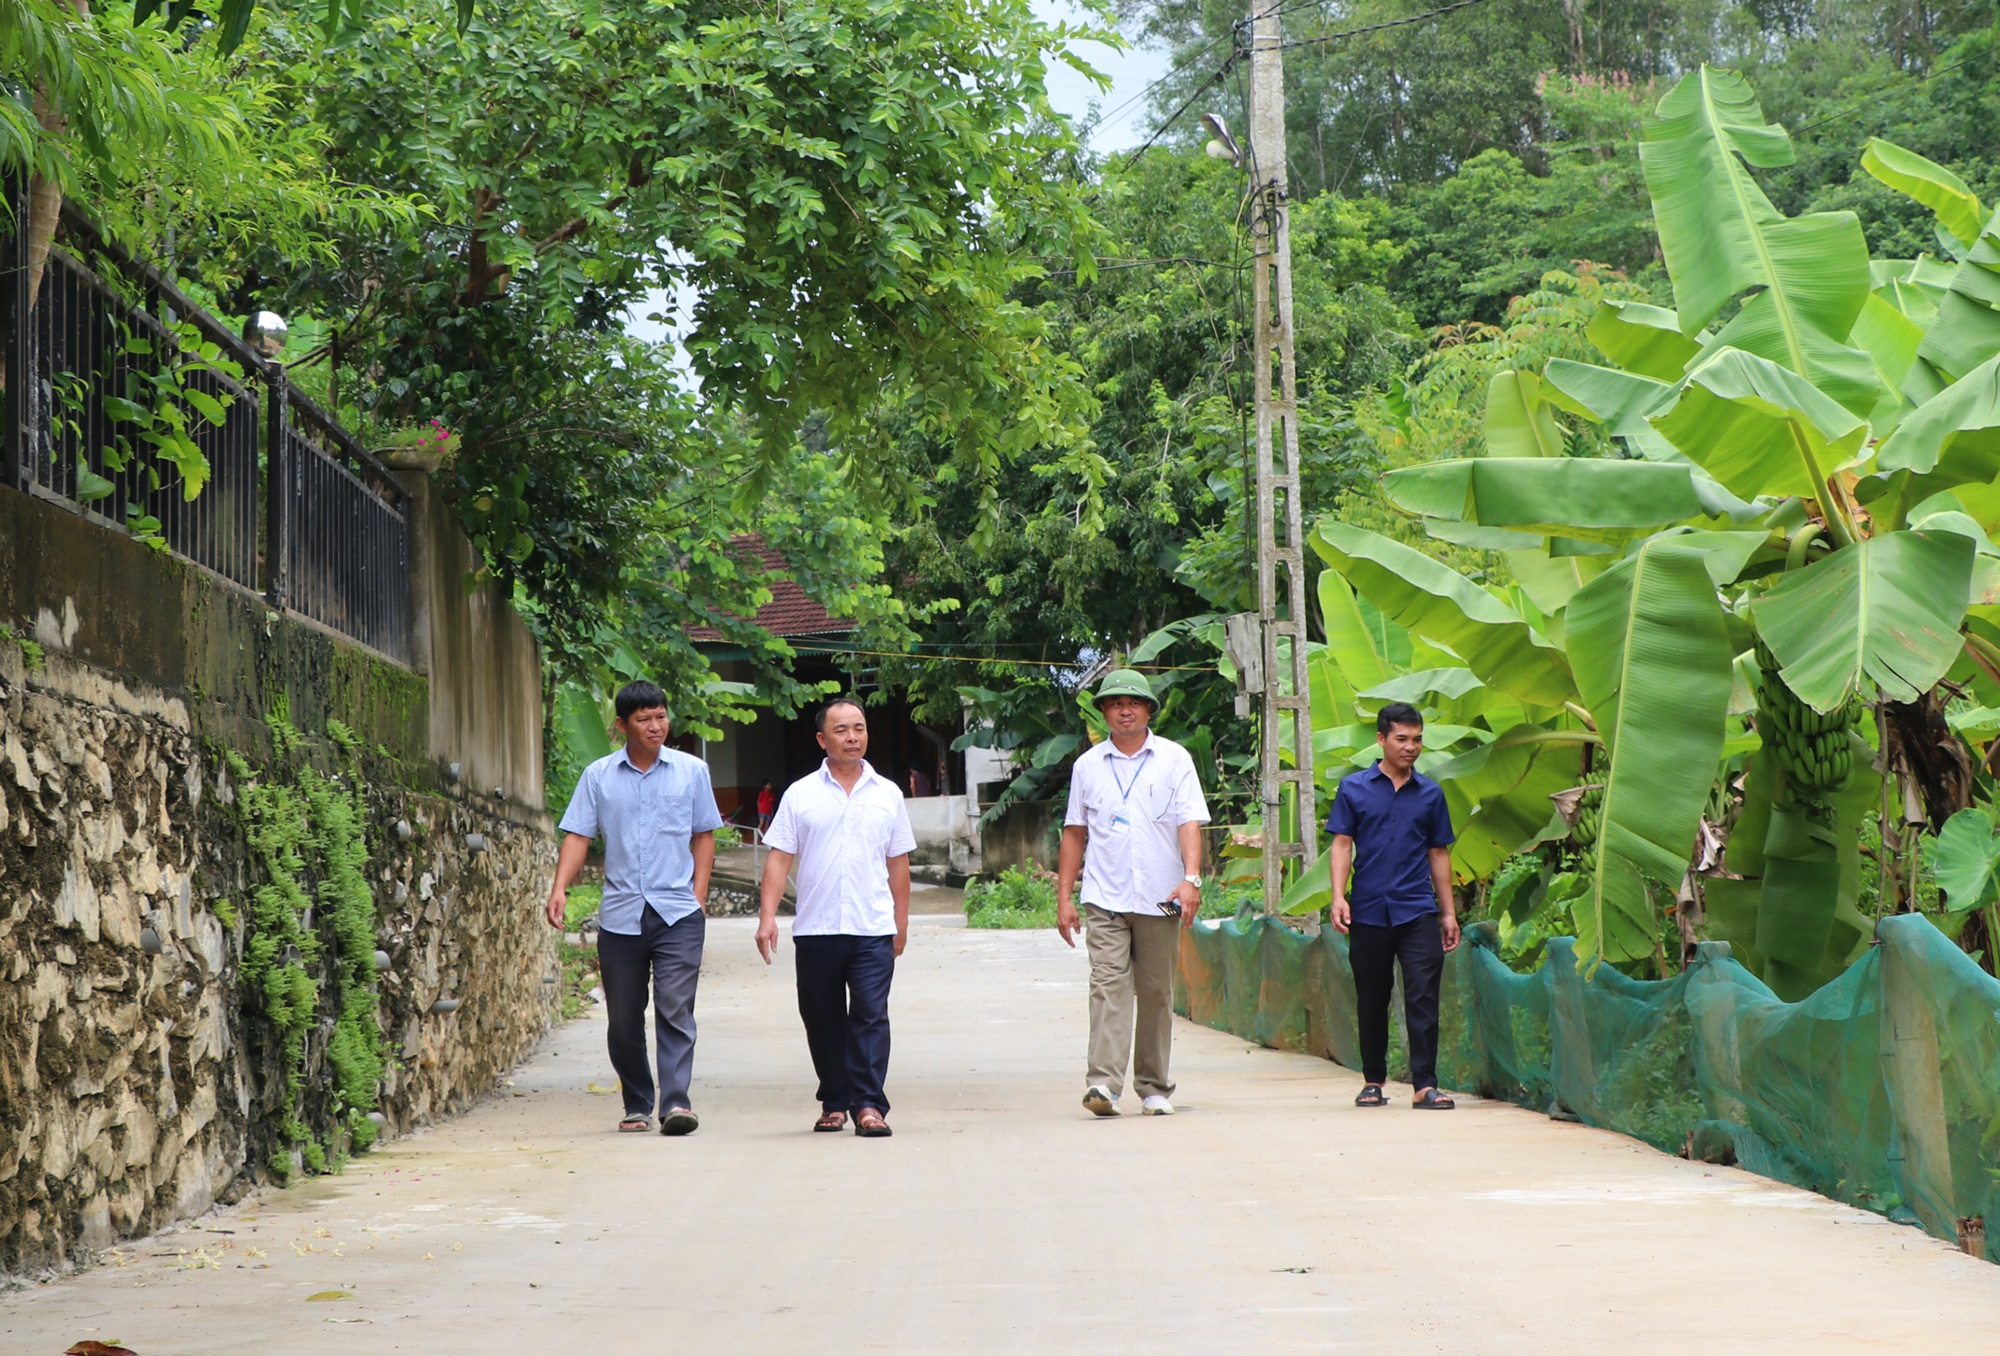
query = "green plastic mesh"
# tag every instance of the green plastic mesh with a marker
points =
(1881, 1090)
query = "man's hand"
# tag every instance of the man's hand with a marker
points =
(1449, 925)
(1188, 895)
(1342, 917)
(1068, 925)
(767, 938)
(902, 939)
(558, 907)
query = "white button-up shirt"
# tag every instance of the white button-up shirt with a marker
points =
(843, 842)
(1133, 808)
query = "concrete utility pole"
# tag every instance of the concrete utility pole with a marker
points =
(1280, 533)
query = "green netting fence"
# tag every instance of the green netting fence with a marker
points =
(1881, 1090)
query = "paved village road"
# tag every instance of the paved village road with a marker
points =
(1269, 1216)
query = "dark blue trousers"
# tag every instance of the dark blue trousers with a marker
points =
(665, 959)
(844, 1002)
(1418, 947)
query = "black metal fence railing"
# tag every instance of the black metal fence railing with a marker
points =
(344, 530)
(109, 377)
(121, 393)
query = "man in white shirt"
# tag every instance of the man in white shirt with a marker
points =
(1133, 832)
(847, 827)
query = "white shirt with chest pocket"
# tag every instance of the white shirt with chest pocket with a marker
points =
(1133, 808)
(843, 842)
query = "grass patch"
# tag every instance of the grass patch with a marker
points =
(581, 902)
(579, 963)
(1013, 899)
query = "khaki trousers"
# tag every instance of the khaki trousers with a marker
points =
(1131, 967)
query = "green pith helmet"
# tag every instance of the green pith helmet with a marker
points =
(1124, 683)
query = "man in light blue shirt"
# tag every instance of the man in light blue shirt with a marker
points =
(655, 810)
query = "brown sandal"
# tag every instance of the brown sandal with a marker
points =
(871, 1124)
(832, 1123)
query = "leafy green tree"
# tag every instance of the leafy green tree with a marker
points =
(1070, 567)
(851, 191)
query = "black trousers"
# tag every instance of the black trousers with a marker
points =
(844, 1002)
(1418, 947)
(663, 962)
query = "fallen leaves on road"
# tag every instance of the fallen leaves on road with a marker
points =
(90, 1346)
(329, 1295)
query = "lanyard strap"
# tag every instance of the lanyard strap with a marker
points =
(1124, 787)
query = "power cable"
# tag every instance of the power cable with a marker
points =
(1866, 100)
(990, 659)
(1183, 67)
(1221, 72)
(1345, 33)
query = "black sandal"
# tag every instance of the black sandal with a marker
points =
(871, 1124)
(832, 1123)
(1371, 1095)
(1430, 1099)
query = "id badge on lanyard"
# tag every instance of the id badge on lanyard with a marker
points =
(1121, 823)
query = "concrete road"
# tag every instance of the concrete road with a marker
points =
(1269, 1216)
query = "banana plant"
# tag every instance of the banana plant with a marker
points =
(1798, 527)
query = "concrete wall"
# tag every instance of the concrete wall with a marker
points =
(140, 1084)
(485, 670)
(947, 833)
(1023, 836)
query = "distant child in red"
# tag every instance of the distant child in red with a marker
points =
(767, 805)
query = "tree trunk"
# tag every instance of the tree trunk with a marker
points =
(1937, 760)
(45, 193)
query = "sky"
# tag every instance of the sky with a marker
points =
(1130, 71)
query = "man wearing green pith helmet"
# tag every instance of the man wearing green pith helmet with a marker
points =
(1133, 838)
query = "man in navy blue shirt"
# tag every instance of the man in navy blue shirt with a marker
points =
(1392, 830)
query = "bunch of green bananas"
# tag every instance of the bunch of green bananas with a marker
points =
(1813, 748)
(1589, 818)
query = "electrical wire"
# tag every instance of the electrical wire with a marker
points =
(1185, 65)
(1345, 33)
(1865, 101)
(993, 659)
(1220, 73)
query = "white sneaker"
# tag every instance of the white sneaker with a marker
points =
(1157, 1105)
(1100, 1101)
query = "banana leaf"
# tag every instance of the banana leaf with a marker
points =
(1951, 439)
(1760, 429)
(1948, 196)
(1551, 581)
(1652, 658)
(1886, 609)
(1721, 238)
(1967, 329)
(1621, 401)
(1357, 647)
(1518, 422)
(1436, 602)
(1642, 339)
(1573, 496)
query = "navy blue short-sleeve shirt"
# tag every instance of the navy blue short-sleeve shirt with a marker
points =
(1393, 832)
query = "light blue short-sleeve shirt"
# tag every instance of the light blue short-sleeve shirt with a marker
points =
(646, 820)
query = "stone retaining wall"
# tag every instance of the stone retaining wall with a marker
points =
(140, 1078)
(138, 1084)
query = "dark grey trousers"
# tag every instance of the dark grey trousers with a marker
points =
(665, 959)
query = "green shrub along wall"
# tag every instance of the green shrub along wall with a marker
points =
(1882, 1089)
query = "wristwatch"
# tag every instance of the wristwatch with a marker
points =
(1195, 881)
